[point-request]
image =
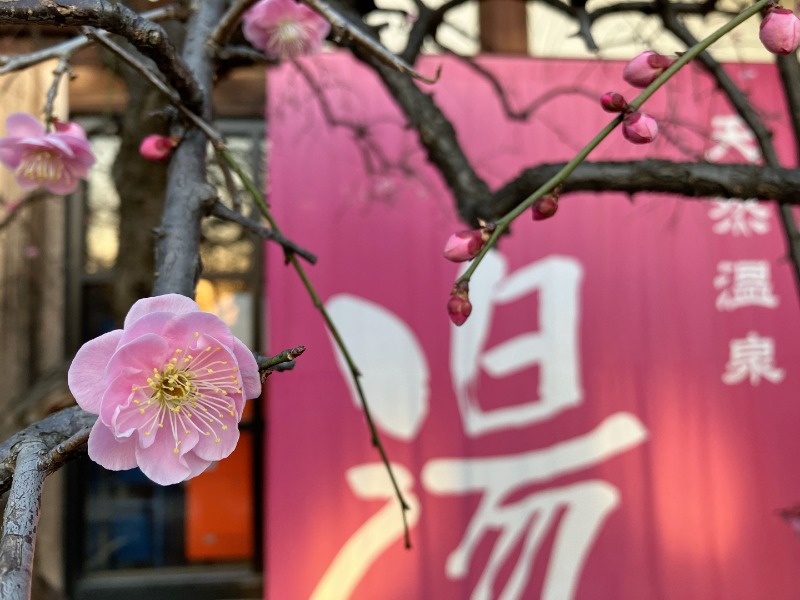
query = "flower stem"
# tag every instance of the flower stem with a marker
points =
(503, 223)
(291, 259)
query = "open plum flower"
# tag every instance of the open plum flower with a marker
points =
(169, 389)
(284, 28)
(56, 161)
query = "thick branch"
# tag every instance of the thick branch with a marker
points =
(19, 523)
(150, 39)
(178, 247)
(696, 180)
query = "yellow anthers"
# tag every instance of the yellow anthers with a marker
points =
(161, 426)
(235, 369)
(176, 451)
(206, 433)
(224, 393)
(224, 362)
(218, 348)
(178, 351)
(141, 411)
(186, 432)
(239, 390)
(134, 388)
(210, 370)
(186, 360)
(224, 428)
(173, 360)
(196, 334)
(148, 432)
(136, 402)
(208, 348)
(217, 440)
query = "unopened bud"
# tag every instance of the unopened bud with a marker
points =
(544, 208)
(644, 69)
(464, 245)
(613, 102)
(459, 306)
(639, 128)
(780, 31)
(156, 147)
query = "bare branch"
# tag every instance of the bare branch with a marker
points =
(694, 180)
(221, 211)
(229, 21)
(145, 35)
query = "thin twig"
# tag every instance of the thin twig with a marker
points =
(61, 69)
(258, 197)
(345, 32)
(219, 210)
(229, 22)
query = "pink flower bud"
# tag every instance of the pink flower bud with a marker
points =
(613, 102)
(644, 69)
(544, 208)
(156, 147)
(639, 128)
(459, 306)
(69, 128)
(464, 245)
(780, 31)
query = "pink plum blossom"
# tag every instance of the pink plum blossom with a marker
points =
(54, 161)
(459, 307)
(645, 68)
(639, 128)
(169, 389)
(156, 147)
(780, 31)
(284, 28)
(464, 245)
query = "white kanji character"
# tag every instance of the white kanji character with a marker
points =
(575, 511)
(731, 133)
(739, 217)
(752, 358)
(744, 283)
(553, 348)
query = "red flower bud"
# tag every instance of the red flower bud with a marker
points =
(639, 128)
(544, 208)
(464, 245)
(459, 306)
(156, 147)
(613, 102)
(780, 31)
(644, 69)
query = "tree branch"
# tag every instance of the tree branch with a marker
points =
(147, 37)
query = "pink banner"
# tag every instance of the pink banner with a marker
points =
(617, 420)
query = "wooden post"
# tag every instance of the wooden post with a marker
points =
(503, 26)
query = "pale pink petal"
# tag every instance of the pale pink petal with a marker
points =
(160, 463)
(151, 323)
(248, 370)
(10, 153)
(196, 464)
(23, 125)
(85, 377)
(66, 184)
(174, 303)
(109, 452)
(144, 354)
(182, 329)
(209, 449)
(118, 394)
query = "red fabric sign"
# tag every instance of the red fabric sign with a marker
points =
(618, 418)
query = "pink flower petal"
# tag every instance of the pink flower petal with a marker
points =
(108, 451)
(174, 303)
(23, 125)
(160, 463)
(85, 377)
(10, 153)
(150, 323)
(66, 184)
(145, 353)
(209, 449)
(118, 394)
(248, 370)
(196, 464)
(181, 330)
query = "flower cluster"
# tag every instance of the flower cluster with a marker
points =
(641, 71)
(284, 28)
(780, 31)
(55, 161)
(169, 389)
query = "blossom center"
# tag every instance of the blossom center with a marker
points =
(44, 167)
(288, 39)
(172, 389)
